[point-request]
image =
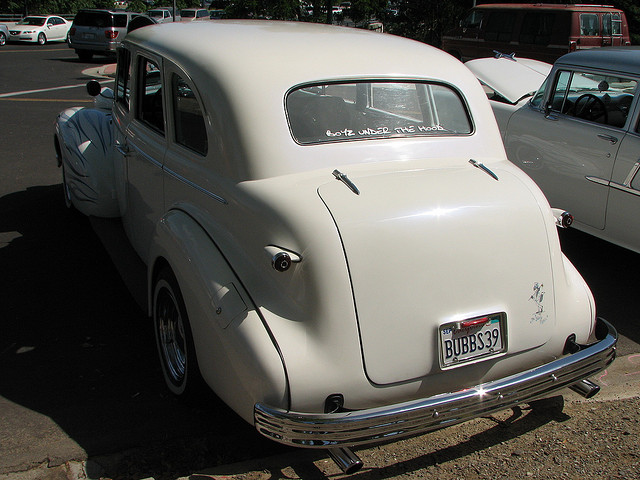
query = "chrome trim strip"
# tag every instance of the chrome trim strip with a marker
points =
(148, 157)
(625, 188)
(632, 174)
(374, 425)
(598, 180)
(196, 186)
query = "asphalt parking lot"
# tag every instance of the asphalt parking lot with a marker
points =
(78, 373)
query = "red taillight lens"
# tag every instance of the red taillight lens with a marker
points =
(110, 34)
(573, 46)
(72, 31)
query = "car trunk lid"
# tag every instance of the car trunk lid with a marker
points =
(430, 247)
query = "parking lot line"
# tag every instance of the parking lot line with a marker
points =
(28, 92)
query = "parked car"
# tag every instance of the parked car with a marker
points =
(536, 30)
(4, 34)
(162, 14)
(217, 14)
(509, 82)
(40, 29)
(578, 138)
(192, 14)
(97, 31)
(336, 243)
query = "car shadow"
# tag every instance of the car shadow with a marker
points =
(611, 273)
(76, 348)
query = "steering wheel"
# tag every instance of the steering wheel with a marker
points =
(593, 108)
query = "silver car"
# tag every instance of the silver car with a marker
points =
(98, 31)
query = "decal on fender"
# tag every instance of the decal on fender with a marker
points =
(538, 298)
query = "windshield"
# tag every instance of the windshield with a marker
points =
(156, 13)
(366, 110)
(35, 21)
(188, 13)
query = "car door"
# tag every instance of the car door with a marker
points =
(622, 224)
(55, 28)
(141, 146)
(569, 147)
(190, 170)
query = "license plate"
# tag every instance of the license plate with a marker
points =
(89, 36)
(472, 339)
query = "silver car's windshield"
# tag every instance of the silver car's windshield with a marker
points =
(332, 112)
(35, 21)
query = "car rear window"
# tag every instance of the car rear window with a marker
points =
(333, 112)
(94, 19)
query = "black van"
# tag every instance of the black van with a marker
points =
(98, 31)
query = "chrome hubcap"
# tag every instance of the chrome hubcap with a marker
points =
(173, 345)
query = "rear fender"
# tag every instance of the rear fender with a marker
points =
(237, 356)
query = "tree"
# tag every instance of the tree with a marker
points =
(426, 20)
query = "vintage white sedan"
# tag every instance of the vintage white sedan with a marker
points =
(334, 238)
(578, 137)
(40, 29)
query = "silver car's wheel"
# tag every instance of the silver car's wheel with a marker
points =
(173, 335)
(42, 39)
(3, 38)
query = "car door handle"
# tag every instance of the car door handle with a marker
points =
(123, 149)
(613, 140)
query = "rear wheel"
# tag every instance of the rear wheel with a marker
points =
(42, 39)
(173, 336)
(84, 55)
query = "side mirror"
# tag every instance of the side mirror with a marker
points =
(93, 88)
(547, 109)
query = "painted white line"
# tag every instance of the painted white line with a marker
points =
(28, 92)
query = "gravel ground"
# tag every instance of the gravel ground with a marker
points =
(555, 440)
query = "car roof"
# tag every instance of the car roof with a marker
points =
(616, 59)
(317, 51)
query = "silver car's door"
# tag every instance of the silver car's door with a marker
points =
(141, 146)
(623, 225)
(569, 146)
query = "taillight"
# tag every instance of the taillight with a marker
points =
(110, 34)
(72, 31)
(573, 46)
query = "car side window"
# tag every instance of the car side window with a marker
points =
(500, 26)
(123, 78)
(603, 99)
(149, 90)
(188, 120)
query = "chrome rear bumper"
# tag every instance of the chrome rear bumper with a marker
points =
(391, 422)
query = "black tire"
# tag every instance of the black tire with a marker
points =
(174, 340)
(85, 55)
(3, 39)
(42, 39)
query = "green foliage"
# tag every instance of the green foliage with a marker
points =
(426, 20)
(273, 9)
(366, 10)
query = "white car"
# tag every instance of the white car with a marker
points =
(578, 138)
(194, 14)
(509, 82)
(336, 243)
(40, 29)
